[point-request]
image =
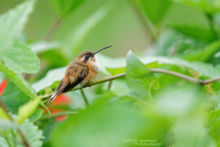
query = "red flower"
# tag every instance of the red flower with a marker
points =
(59, 101)
(3, 85)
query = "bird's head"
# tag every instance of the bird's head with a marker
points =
(88, 56)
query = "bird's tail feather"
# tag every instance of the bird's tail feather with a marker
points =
(55, 94)
(58, 90)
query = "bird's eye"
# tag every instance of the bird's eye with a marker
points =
(86, 58)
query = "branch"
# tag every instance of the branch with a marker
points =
(100, 81)
(154, 70)
(25, 142)
(204, 82)
(176, 74)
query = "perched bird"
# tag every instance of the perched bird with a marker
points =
(80, 71)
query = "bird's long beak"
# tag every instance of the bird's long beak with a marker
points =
(101, 49)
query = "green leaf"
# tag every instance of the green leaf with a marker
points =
(51, 56)
(66, 7)
(102, 124)
(214, 125)
(189, 21)
(177, 101)
(137, 75)
(36, 115)
(151, 62)
(205, 69)
(155, 10)
(105, 61)
(18, 80)
(13, 23)
(6, 124)
(203, 54)
(3, 142)
(51, 77)
(21, 59)
(192, 132)
(135, 68)
(193, 128)
(210, 6)
(27, 110)
(33, 134)
(171, 42)
(137, 88)
(14, 98)
(42, 46)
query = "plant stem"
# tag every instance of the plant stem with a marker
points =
(56, 22)
(148, 27)
(25, 142)
(109, 85)
(84, 97)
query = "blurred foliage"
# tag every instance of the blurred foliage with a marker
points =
(39, 38)
(65, 7)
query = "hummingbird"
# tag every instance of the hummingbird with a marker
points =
(80, 71)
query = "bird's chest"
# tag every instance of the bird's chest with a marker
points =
(92, 73)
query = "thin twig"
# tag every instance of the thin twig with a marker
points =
(25, 142)
(58, 115)
(84, 97)
(6, 111)
(100, 81)
(56, 22)
(204, 82)
(148, 27)
(155, 70)
(176, 74)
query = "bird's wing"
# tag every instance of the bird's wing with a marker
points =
(75, 73)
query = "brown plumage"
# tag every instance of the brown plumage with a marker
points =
(81, 71)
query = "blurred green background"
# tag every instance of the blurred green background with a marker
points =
(117, 28)
(142, 109)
